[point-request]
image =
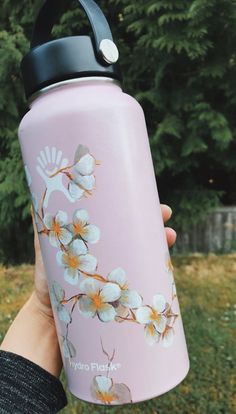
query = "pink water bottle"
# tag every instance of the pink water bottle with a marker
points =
(90, 172)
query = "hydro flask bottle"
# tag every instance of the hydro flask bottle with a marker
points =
(90, 173)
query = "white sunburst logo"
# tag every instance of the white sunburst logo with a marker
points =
(50, 161)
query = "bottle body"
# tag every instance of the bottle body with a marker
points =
(90, 173)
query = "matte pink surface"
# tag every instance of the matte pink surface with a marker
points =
(125, 206)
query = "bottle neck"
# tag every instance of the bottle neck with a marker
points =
(70, 82)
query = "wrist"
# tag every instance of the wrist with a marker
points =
(33, 336)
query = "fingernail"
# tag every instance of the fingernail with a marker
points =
(170, 209)
(175, 234)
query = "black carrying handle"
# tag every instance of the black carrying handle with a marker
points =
(50, 11)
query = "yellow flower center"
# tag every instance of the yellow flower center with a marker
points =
(56, 228)
(79, 229)
(155, 316)
(106, 397)
(151, 329)
(72, 261)
(97, 301)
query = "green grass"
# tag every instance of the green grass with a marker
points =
(206, 291)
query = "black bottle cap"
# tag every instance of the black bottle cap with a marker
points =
(49, 62)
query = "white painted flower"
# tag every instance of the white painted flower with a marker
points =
(97, 299)
(58, 233)
(128, 298)
(83, 180)
(82, 228)
(57, 295)
(152, 336)
(153, 318)
(76, 260)
(105, 390)
(168, 337)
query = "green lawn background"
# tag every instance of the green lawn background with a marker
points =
(207, 293)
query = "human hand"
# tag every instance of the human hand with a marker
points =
(41, 287)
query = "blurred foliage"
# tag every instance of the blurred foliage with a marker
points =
(206, 291)
(178, 59)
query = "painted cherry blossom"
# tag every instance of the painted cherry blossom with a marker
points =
(76, 260)
(153, 318)
(58, 233)
(57, 295)
(81, 227)
(103, 389)
(83, 180)
(168, 337)
(97, 300)
(128, 298)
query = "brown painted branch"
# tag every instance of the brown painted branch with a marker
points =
(75, 298)
(62, 170)
(128, 319)
(97, 277)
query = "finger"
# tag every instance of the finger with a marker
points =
(171, 236)
(166, 212)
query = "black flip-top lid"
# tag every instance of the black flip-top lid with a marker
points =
(49, 62)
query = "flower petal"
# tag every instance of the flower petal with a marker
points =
(59, 257)
(159, 303)
(61, 218)
(57, 293)
(88, 264)
(71, 275)
(103, 384)
(68, 349)
(87, 307)
(151, 335)
(160, 324)
(78, 247)
(122, 393)
(110, 292)
(65, 236)
(80, 152)
(63, 314)
(75, 191)
(168, 338)
(48, 220)
(106, 313)
(143, 314)
(90, 286)
(121, 311)
(53, 240)
(118, 276)
(130, 299)
(87, 182)
(85, 165)
(81, 216)
(92, 234)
